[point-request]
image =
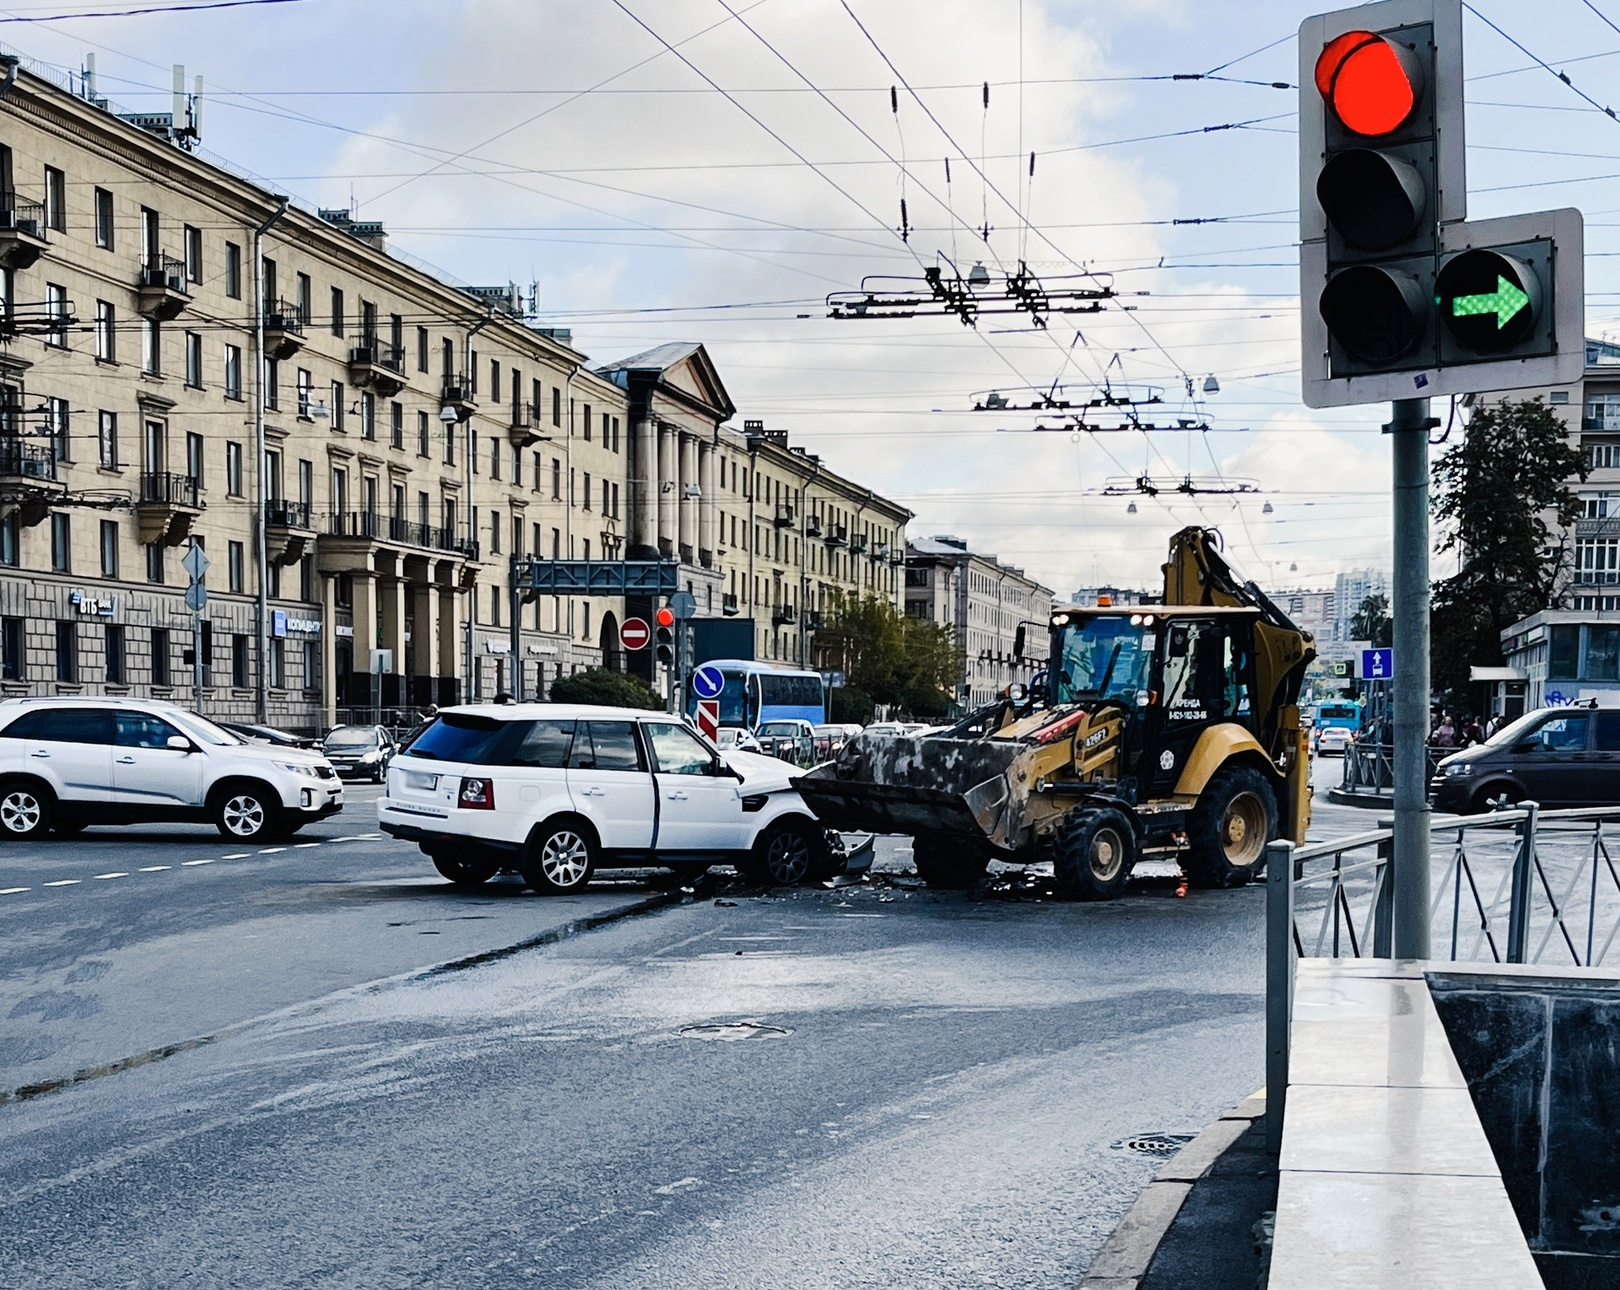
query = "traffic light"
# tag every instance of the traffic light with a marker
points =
(665, 635)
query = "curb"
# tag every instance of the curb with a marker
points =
(1366, 801)
(1124, 1258)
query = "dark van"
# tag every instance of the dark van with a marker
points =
(1557, 757)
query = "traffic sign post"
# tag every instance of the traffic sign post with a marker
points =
(195, 562)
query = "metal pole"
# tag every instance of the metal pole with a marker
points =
(196, 662)
(1409, 429)
(1279, 983)
(1519, 900)
(261, 507)
(515, 681)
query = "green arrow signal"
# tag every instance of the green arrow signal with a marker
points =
(1505, 302)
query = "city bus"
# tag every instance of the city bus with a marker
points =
(758, 692)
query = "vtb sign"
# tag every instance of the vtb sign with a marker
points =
(1401, 296)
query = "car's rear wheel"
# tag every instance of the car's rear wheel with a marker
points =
(246, 813)
(26, 809)
(1486, 798)
(559, 858)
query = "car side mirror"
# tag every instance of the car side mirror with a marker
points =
(179, 743)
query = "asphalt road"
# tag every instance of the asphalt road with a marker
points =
(940, 1107)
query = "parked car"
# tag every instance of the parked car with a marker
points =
(792, 739)
(1556, 756)
(735, 737)
(66, 764)
(256, 734)
(360, 752)
(558, 791)
(829, 739)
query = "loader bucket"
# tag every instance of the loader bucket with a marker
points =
(966, 788)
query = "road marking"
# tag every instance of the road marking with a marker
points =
(240, 855)
(62, 882)
(102, 877)
(189, 863)
(300, 846)
(154, 868)
(268, 851)
(11, 891)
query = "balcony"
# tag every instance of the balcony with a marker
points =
(376, 365)
(837, 534)
(1592, 528)
(857, 544)
(344, 531)
(812, 620)
(728, 604)
(525, 427)
(784, 616)
(167, 507)
(812, 526)
(457, 395)
(22, 231)
(28, 479)
(784, 515)
(289, 532)
(283, 329)
(161, 292)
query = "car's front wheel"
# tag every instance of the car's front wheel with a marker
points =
(26, 809)
(246, 813)
(559, 858)
(465, 869)
(786, 853)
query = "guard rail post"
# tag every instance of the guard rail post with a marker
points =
(1524, 860)
(1384, 909)
(1279, 982)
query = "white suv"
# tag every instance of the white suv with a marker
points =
(68, 763)
(557, 791)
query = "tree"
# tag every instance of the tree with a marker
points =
(1371, 622)
(887, 658)
(599, 685)
(1495, 493)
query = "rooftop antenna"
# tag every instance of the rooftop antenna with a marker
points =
(90, 76)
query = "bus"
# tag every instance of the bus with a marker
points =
(758, 692)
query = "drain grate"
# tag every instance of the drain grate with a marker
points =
(1154, 1144)
(731, 1031)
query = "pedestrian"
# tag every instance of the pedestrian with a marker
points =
(1445, 734)
(503, 697)
(1473, 733)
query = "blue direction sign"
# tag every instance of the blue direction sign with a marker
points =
(707, 682)
(1377, 664)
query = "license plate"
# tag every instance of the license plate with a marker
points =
(421, 781)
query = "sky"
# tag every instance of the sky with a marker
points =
(713, 170)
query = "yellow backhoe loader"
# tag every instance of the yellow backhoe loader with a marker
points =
(1169, 730)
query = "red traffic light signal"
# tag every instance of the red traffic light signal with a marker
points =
(666, 617)
(1372, 84)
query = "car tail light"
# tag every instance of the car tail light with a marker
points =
(476, 795)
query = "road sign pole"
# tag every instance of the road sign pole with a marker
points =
(515, 681)
(1409, 431)
(196, 662)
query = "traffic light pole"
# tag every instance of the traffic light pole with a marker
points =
(1409, 429)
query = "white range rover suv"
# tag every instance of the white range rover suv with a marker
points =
(67, 763)
(557, 791)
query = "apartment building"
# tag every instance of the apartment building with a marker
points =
(985, 602)
(183, 350)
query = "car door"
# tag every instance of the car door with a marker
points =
(70, 749)
(699, 800)
(1554, 763)
(1603, 784)
(147, 774)
(611, 784)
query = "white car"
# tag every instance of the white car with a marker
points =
(736, 738)
(557, 791)
(1333, 739)
(66, 764)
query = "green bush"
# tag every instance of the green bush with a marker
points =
(609, 689)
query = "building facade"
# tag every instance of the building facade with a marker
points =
(984, 602)
(1350, 591)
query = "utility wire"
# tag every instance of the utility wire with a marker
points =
(135, 13)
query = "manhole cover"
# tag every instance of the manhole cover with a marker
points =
(1154, 1144)
(727, 1031)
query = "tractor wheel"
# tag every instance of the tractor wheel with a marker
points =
(1093, 853)
(946, 863)
(1228, 830)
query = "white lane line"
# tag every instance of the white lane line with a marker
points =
(62, 882)
(240, 855)
(154, 868)
(189, 863)
(102, 877)
(358, 837)
(300, 846)
(11, 891)
(268, 851)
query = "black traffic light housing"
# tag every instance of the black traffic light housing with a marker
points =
(664, 636)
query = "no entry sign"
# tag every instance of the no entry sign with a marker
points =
(635, 633)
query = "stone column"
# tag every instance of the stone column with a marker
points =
(707, 513)
(391, 618)
(425, 635)
(365, 618)
(449, 630)
(644, 483)
(329, 651)
(686, 478)
(667, 485)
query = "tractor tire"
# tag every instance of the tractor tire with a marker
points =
(1228, 830)
(1093, 853)
(946, 863)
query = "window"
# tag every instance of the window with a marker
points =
(207, 652)
(104, 219)
(55, 199)
(421, 349)
(11, 649)
(1599, 506)
(272, 384)
(337, 405)
(424, 435)
(517, 468)
(585, 503)
(607, 498)
(340, 490)
(233, 270)
(278, 664)
(396, 433)
(1604, 456)
(1597, 560)
(615, 501)
(337, 311)
(306, 482)
(109, 548)
(194, 456)
(56, 427)
(154, 563)
(495, 532)
(606, 745)
(115, 653)
(1602, 654)
(312, 665)
(306, 300)
(494, 606)
(586, 419)
(494, 457)
(239, 662)
(676, 751)
(160, 656)
(556, 406)
(194, 263)
(67, 651)
(107, 440)
(234, 566)
(306, 392)
(149, 237)
(368, 415)
(494, 381)
(556, 479)
(194, 359)
(233, 371)
(472, 449)
(151, 347)
(450, 428)
(106, 336)
(233, 469)
(61, 543)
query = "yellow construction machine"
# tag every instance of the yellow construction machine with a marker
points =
(1169, 730)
